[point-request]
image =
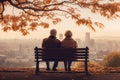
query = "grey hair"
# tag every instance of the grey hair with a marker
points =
(53, 32)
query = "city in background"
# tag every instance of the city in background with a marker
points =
(20, 52)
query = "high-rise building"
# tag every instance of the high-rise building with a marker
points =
(87, 39)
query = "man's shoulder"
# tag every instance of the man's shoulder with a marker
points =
(58, 40)
(45, 39)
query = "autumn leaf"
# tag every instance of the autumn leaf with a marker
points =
(24, 32)
(33, 26)
(6, 19)
(75, 16)
(46, 1)
(99, 24)
(0, 9)
(71, 10)
(22, 23)
(6, 28)
(15, 27)
(45, 25)
(1, 16)
(14, 18)
(56, 20)
(22, 0)
(91, 27)
(78, 22)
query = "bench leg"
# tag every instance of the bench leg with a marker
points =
(86, 68)
(37, 67)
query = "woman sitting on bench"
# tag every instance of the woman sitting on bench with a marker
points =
(68, 42)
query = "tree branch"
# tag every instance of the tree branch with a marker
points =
(1, 13)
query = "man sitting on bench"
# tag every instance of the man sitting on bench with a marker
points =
(51, 42)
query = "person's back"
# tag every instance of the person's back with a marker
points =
(51, 42)
(68, 42)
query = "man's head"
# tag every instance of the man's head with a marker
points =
(53, 32)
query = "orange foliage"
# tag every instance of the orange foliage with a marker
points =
(15, 27)
(33, 26)
(1, 9)
(99, 24)
(71, 10)
(84, 22)
(22, 0)
(14, 18)
(32, 13)
(6, 28)
(24, 31)
(78, 22)
(6, 19)
(45, 25)
(55, 21)
(22, 23)
(92, 67)
(112, 59)
(46, 1)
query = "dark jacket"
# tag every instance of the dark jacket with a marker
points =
(51, 42)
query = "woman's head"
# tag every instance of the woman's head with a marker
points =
(68, 34)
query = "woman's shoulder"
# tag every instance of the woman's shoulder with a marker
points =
(73, 39)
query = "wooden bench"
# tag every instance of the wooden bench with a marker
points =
(61, 54)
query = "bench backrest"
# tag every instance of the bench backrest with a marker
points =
(61, 54)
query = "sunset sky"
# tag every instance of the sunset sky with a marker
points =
(112, 28)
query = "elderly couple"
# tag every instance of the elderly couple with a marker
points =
(53, 42)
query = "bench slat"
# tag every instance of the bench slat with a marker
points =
(78, 60)
(77, 57)
(61, 48)
(74, 54)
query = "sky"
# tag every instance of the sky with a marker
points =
(111, 28)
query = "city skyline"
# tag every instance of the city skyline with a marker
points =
(22, 48)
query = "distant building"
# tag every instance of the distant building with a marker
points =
(20, 49)
(2, 58)
(87, 39)
(92, 43)
(78, 42)
(61, 36)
